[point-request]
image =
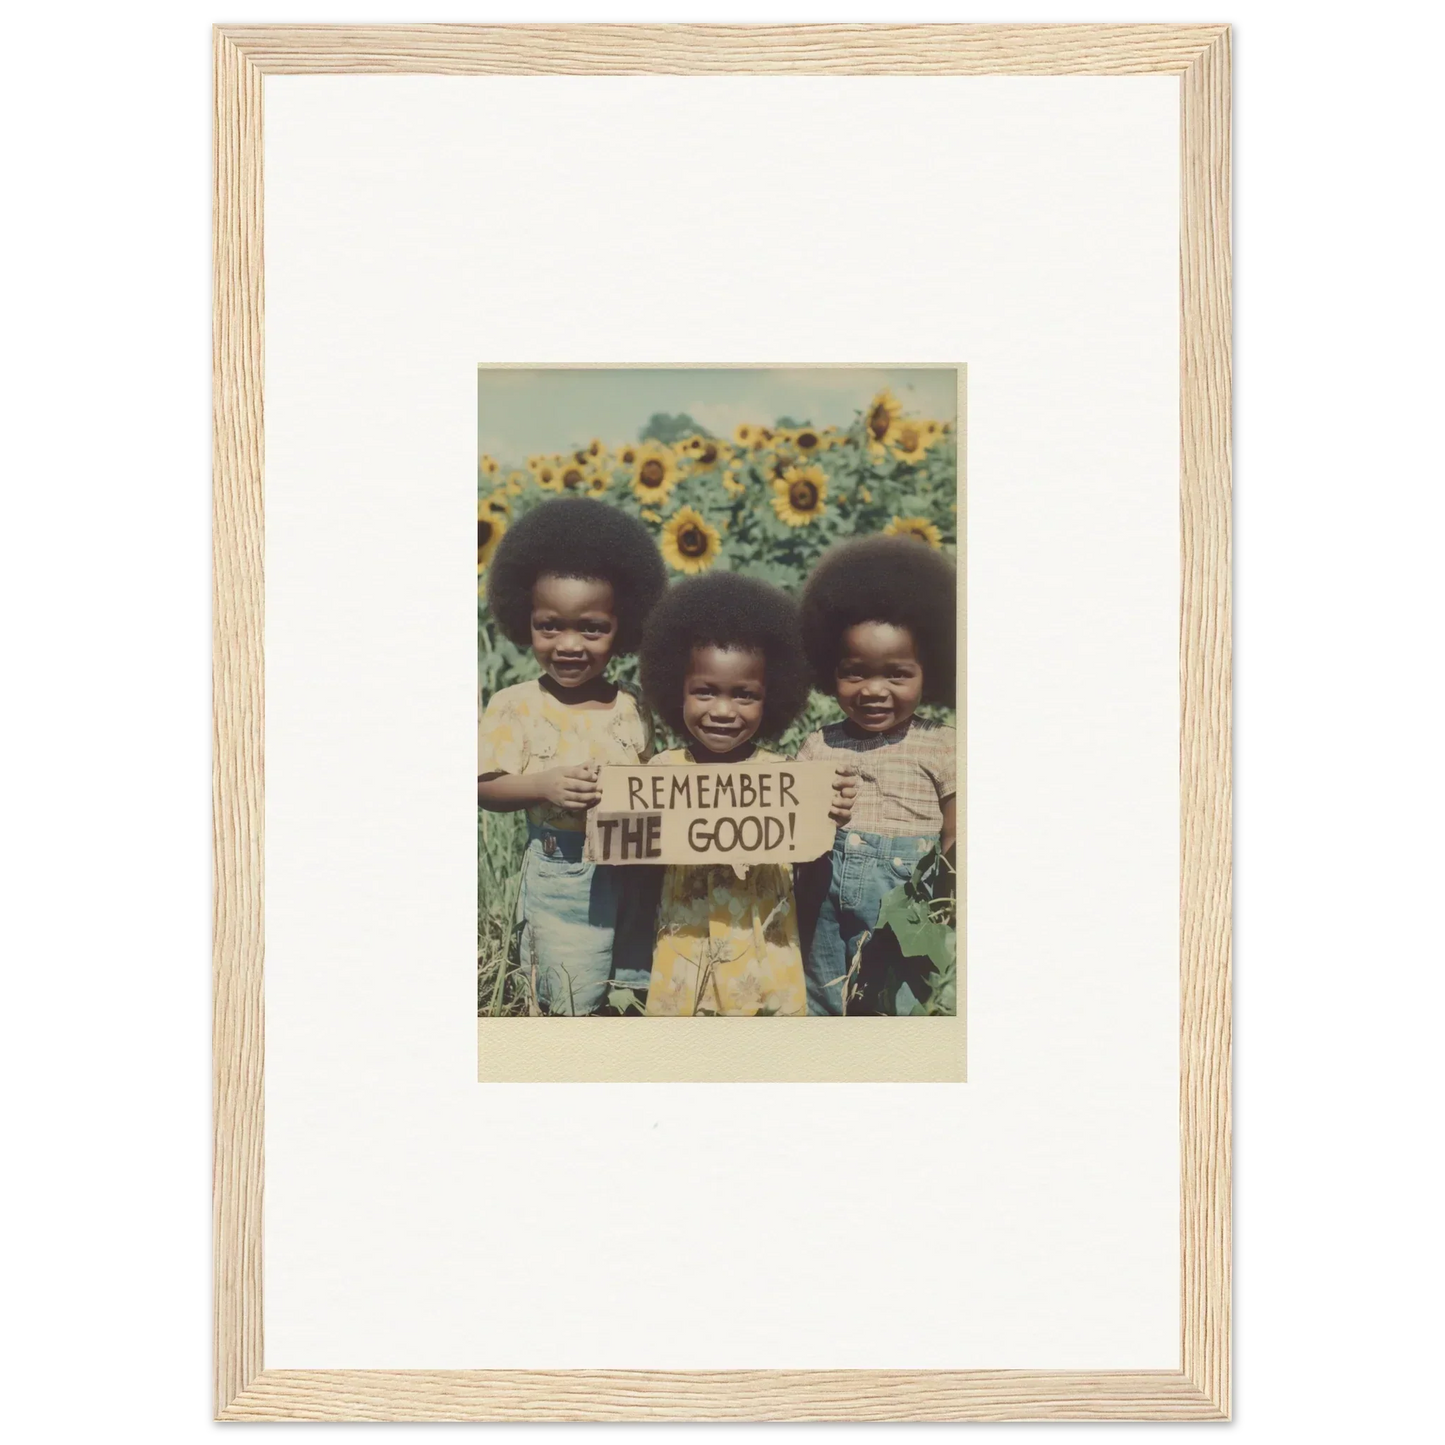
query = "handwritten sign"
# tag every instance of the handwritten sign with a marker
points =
(738, 814)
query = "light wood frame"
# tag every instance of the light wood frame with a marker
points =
(1199, 1389)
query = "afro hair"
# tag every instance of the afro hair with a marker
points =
(884, 579)
(724, 609)
(576, 537)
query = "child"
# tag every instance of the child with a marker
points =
(722, 665)
(879, 626)
(573, 579)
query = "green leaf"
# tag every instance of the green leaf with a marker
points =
(918, 935)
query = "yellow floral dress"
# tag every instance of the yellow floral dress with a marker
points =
(726, 945)
(524, 729)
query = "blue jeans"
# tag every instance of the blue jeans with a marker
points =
(839, 898)
(584, 925)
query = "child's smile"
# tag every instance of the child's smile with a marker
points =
(880, 680)
(574, 623)
(722, 697)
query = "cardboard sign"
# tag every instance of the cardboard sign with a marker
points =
(738, 814)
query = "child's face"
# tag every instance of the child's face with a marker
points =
(573, 628)
(722, 697)
(880, 682)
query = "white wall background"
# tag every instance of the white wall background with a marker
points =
(416, 1220)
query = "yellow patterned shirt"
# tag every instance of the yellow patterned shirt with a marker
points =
(526, 730)
(726, 945)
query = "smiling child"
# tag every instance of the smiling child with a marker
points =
(879, 625)
(723, 665)
(575, 580)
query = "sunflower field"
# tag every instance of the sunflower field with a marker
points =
(767, 502)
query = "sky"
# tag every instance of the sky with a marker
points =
(523, 411)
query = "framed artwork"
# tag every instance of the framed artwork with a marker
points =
(847, 1034)
(842, 454)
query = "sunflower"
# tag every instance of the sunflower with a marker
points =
(655, 473)
(627, 454)
(490, 526)
(744, 433)
(709, 453)
(573, 475)
(731, 485)
(598, 481)
(514, 484)
(776, 463)
(648, 515)
(879, 418)
(497, 502)
(932, 430)
(909, 440)
(547, 471)
(808, 440)
(690, 543)
(919, 528)
(488, 466)
(596, 450)
(798, 495)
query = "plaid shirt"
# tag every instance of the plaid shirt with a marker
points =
(904, 776)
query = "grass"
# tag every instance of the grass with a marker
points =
(501, 840)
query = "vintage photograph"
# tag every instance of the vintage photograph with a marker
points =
(718, 762)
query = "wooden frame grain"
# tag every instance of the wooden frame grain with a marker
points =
(1199, 1389)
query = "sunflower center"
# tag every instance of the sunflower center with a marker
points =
(909, 438)
(807, 440)
(484, 533)
(709, 454)
(803, 496)
(878, 420)
(650, 474)
(691, 541)
(572, 477)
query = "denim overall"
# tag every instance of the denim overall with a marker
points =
(845, 892)
(584, 925)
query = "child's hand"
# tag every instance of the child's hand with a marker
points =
(575, 789)
(845, 791)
